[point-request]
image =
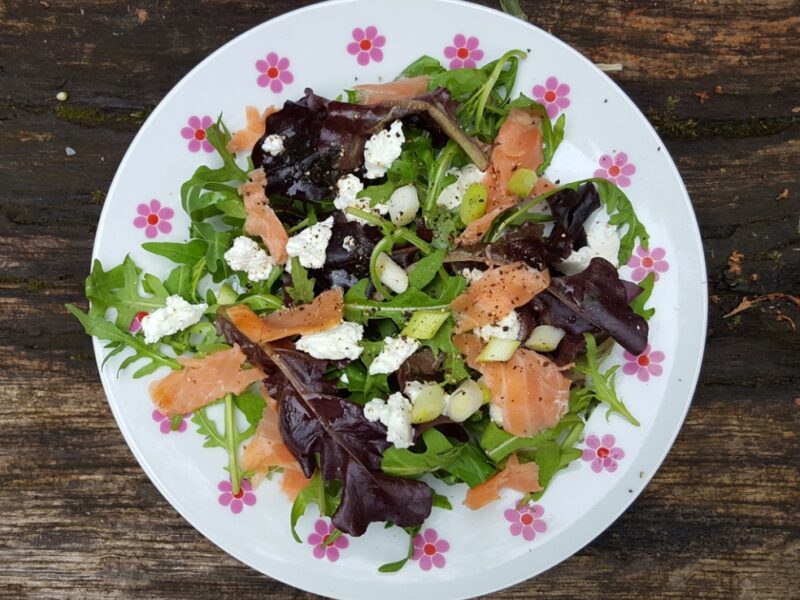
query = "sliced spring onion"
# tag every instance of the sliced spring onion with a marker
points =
(428, 404)
(522, 182)
(403, 205)
(473, 204)
(424, 324)
(226, 294)
(544, 338)
(464, 402)
(498, 350)
(391, 274)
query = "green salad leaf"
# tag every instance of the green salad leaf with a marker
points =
(639, 303)
(230, 439)
(393, 567)
(326, 497)
(601, 385)
(96, 325)
(438, 454)
(302, 288)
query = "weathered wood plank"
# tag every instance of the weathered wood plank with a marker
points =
(80, 519)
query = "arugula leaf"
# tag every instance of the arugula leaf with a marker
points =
(302, 289)
(179, 281)
(441, 502)
(95, 325)
(218, 243)
(181, 253)
(230, 439)
(602, 386)
(455, 368)
(205, 178)
(362, 386)
(438, 454)
(326, 498)
(638, 303)
(360, 309)
(548, 459)
(621, 213)
(251, 405)
(424, 65)
(118, 288)
(425, 269)
(471, 466)
(498, 444)
(393, 567)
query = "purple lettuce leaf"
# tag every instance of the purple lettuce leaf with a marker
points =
(570, 209)
(315, 422)
(593, 301)
(324, 139)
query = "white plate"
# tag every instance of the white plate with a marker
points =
(326, 47)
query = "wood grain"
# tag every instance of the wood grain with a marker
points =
(718, 521)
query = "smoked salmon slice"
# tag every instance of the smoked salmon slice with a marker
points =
(531, 391)
(401, 89)
(326, 311)
(266, 449)
(261, 219)
(203, 380)
(521, 477)
(518, 146)
(496, 294)
(246, 138)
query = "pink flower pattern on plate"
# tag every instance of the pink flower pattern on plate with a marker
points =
(367, 45)
(136, 323)
(602, 453)
(616, 169)
(274, 72)
(648, 261)
(153, 218)
(526, 521)
(429, 550)
(238, 501)
(644, 365)
(322, 531)
(464, 53)
(553, 95)
(165, 423)
(195, 132)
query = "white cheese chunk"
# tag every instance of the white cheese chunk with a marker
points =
(176, 316)
(471, 275)
(506, 328)
(349, 243)
(451, 196)
(395, 414)
(310, 245)
(395, 352)
(273, 144)
(602, 241)
(246, 255)
(382, 149)
(339, 343)
(347, 190)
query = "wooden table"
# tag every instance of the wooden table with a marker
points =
(720, 80)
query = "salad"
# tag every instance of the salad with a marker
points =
(390, 292)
